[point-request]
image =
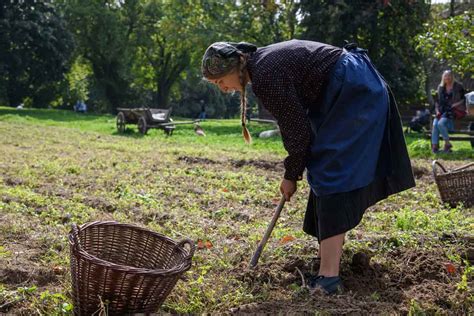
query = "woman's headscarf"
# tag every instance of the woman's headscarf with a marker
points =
(222, 58)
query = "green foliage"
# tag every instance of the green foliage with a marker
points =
(147, 52)
(409, 220)
(450, 41)
(421, 148)
(261, 23)
(78, 80)
(54, 304)
(467, 275)
(4, 253)
(169, 37)
(35, 51)
(415, 309)
(103, 30)
(386, 30)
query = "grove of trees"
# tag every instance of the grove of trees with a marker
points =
(131, 53)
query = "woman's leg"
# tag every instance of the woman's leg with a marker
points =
(331, 251)
(443, 126)
(435, 132)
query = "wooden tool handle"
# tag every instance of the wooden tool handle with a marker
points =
(270, 227)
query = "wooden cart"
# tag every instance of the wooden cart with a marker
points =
(147, 118)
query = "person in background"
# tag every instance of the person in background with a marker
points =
(202, 114)
(80, 106)
(449, 105)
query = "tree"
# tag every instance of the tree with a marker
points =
(450, 40)
(259, 22)
(35, 51)
(104, 30)
(171, 38)
(386, 28)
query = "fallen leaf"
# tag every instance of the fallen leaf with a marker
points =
(286, 239)
(209, 244)
(450, 268)
(200, 244)
(58, 270)
(225, 190)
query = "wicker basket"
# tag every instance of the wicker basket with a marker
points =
(124, 269)
(455, 186)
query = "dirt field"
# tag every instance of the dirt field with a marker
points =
(410, 255)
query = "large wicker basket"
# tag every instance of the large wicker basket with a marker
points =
(455, 186)
(124, 269)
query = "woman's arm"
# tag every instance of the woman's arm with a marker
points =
(436, 98)
(460, 103)
(457, 104)
(278, 96)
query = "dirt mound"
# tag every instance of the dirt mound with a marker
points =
(337, 305)
(99, 203)
(13, 181)
(49, 190)
(369, 287)
(257, 163)
(262, 164)
(27, 275)
(420, 171)
(197, 160)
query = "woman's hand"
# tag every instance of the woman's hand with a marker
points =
(287, 188)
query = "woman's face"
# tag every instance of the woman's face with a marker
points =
(228, 83)
(448, 78)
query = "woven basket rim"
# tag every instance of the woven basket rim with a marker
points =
(185, 265)
(446, 172)
(453, 173)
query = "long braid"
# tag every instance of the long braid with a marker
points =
(243, 98)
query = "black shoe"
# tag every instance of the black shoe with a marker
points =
(329, 285)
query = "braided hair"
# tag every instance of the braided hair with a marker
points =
(222, 58)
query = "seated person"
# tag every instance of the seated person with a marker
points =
(449, 104)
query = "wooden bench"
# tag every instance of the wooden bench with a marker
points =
(464, 126)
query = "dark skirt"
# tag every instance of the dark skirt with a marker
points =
(328, 215)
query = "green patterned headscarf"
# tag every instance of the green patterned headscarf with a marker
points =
(222, 58)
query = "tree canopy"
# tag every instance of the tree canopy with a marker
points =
(35, 51)
(132, 53)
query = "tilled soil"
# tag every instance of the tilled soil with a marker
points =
(369, 287)
(384, 282)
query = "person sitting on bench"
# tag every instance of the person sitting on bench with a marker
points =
(449, 104)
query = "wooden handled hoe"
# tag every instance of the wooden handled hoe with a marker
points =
(270, 227)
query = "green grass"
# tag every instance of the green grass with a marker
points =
(59, 167)
(221, 134)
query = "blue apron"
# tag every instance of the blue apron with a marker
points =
(348, 127)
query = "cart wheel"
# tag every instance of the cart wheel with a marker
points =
(120, 122)
(142, 126)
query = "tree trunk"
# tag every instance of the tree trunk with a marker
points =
(428, 85)
(163, 95)
(14, 92)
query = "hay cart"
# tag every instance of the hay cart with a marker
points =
(147, 118)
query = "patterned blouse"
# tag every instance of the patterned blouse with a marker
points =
(288, 78)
